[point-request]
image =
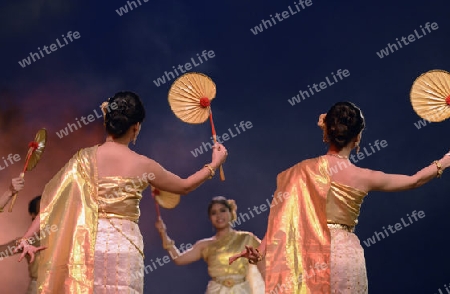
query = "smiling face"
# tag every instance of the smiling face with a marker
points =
(220, 216)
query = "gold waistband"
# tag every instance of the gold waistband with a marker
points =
(229, 281)
(108, 215)
(342, 227)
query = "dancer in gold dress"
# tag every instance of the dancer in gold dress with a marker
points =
(309, 245)
(240, 278)
(92, 208)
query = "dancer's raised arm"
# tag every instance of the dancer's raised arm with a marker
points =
(191, 255)
(380, 181)
(167, 181)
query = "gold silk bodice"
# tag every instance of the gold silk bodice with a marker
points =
(344, 204)
(217, 254)
(119, 197)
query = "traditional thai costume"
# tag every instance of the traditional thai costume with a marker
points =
(97, 246)
(311, 247)
(237, 278)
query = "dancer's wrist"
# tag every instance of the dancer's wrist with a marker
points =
(168, 243)
(10, 192)
(440, 168)
(212, 170)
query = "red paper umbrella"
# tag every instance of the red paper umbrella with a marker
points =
(35, 150)
(190, 99)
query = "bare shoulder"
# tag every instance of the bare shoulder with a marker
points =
(366, 177)
(367, 173)
(145, 163)
(203, 243)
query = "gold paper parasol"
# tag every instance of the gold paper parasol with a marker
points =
(35, 150)
(164, 199)
(430, 95)
(190, 100)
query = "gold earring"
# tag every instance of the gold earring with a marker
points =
(357, 147)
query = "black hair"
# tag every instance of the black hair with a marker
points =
(33, 206)
(219, 200)
(124, 110)
(344, 121)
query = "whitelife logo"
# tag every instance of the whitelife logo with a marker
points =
(53, 47)
(183, 68)
(323, 85)
(411, 38)
(224, 137)
(284, 15)
(395, 228)
(11, 158)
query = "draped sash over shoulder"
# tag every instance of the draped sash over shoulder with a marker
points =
(69, 217)
(298, 239)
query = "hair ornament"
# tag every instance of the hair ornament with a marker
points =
(233, 207)
(321, 122)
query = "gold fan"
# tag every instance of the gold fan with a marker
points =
(164, 199)
(430, 95)
(35, 150)
(190, 100)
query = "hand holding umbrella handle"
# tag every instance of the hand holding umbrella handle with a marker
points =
(14, 197)
(213, 129)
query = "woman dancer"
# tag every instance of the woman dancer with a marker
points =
(236, 279)
(8, 248)
(17, 184)
(92, 207)
(309, 245)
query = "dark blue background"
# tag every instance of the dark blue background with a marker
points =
(255, 76)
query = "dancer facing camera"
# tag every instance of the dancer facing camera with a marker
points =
(98, 241)
(240, 278)
(309, 246)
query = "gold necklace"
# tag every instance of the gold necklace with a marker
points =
(338, 155)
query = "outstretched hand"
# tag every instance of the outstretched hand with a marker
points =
(252, 254)
(28, 249)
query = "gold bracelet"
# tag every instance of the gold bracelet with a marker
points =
(439, 168)
(167, 246)
(211, 171)
(19, 241)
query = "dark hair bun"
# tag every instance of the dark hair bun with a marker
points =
(220, 200)
(344, 121)
(124, 110)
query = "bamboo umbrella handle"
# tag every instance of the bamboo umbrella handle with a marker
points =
(222, 174)
(14, 197)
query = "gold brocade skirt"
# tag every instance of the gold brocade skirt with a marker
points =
(229, 285)
(118, 265)
(348, 265)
